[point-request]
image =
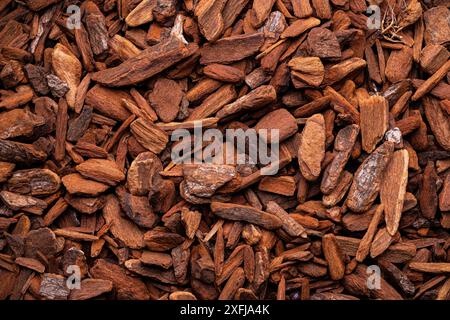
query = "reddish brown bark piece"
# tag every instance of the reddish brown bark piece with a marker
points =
(284, 185)
(323, 43)
(34, 182)
(166, 98)
(91, 288)
(343, 146)
(255, 99)
(209, 17)
(333, 255)
(312, 147)
(76, 184)
(399, 64)
(374, 118)
(306, 71)
(105, 171)
(231, 49)
(300, 26)
(280, 120)
(428, 192)
(289, 225)
(393, 188)
(143, 174)
(108, 102)
(122, 228)
(203, 180)
(224, 73)
(237, 212)
(143, 66)
(17, 201)
(149, 135)
(127, 287)
(367, 179)
(439, 122)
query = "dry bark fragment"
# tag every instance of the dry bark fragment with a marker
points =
(91, 288)
(338, 193)
(76, 184)
(432, 57)
(399, 64)
(6, 170)
(333, 256)
(393, 189)
(366, 241)
(444, 196)
(149, 62)
(137, 208)
(203, 180)
(380, 243)
(20, 123)
(430, 267)
(160, 239)
(20, 202)
(431, 82)
(191, 221)
(436, 28)
(339, 71)
(149, 135)
(53, 287)
(300, 26)
(142, 14)
(166, 98)
(159, 259)
(108, 102)
(428, 192)
(209, 17)
(374, 118)
(102, 170)
(61, 130)
(368, 177)
(237, 212)
(213, 103)
(96, 27)
(235, 282)
(231, 49)
(438, 121)
(180, 259)
(143, 174)
(289, 225)
(281, 120)
(224, 73)
(155, 274)
(78, 126)
(284, 185)
(68, 68)
(122, 228)
(312, 147)
(343, 146)
(34, 182)
(308, 70)
(127, 287)
(255, 99)
(323, 43)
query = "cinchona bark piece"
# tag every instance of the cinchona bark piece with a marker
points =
(145, 65)
(374, 117)
(343, 146)
(239, 212)
(393, 189)
(230, 49)
(334, 257)
(68, 68)
(368, 177)
(312, 147)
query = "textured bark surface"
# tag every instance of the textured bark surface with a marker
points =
(224, 149)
